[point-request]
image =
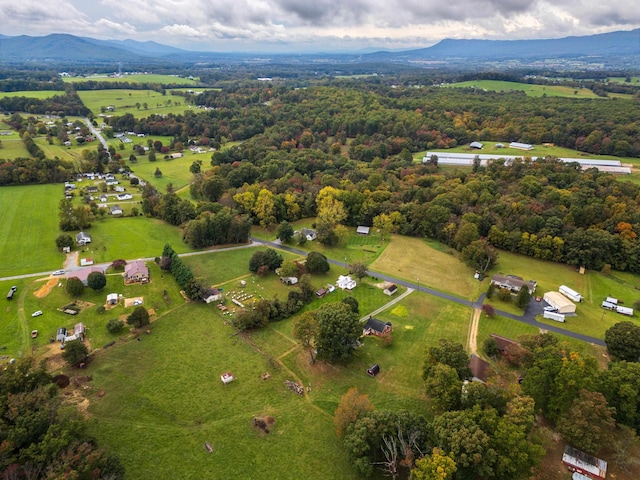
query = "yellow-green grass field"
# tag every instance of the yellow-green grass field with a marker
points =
(32, 94)
(28, 229)
(125, 102)
(431, 264)
(532, 90)
(174, 171)
(13, 147)
(135, 78)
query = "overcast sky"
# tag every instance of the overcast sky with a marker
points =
(315, 25)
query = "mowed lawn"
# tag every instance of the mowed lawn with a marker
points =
(125, 102)
(28, 229)
(428, 263)
(41, 94)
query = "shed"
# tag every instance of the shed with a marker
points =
(503, 342)
(227, 377)
(476, 145)
(581, 462)
(373, 370)
(79, 330)
(521, 146)
(321, 293)
(112, 299)
(560, 302)
(289, 280)
(376, 327)
(61, 334)
(391, 290)
(612, 300)
(362, 230)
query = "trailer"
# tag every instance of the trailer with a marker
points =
(624, 310)
(612, 300)
(558, 317)
(609, 305)
(570, 293)
(588, 465)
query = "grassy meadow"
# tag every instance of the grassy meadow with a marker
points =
(41, 94)
(531, 90)
(125, 101)
(135, 78)
(28, 229)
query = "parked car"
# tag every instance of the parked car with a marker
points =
(36, 313)
(58, 272)
(550, 309)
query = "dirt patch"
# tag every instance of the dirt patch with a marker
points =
(71, 260)
(133, 302)
(383, 285)
(62, 381)
(263, 423)
(45, 289)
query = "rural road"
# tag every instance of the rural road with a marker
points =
(97, 134)
(534, 308)
(529, 317)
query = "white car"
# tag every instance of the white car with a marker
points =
(58, 272)
(36, 314)
(550, 309)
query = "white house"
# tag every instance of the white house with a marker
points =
(83, 238)
(345, 282)
(116, 210)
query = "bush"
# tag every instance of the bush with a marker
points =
(504, 294)
(114, 325)
(75, 352)
(490, 347)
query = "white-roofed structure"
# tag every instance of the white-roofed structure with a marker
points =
(521, 146)
(560, 302)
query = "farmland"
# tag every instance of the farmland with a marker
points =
(140, 103)
(529, 89)
(32, 93)
(135, 78)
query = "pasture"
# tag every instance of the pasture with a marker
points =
(182, 410)
(41, 94)
(135, 78)
(140, 103)
(28, 229)
(531, 90)
(430, 264)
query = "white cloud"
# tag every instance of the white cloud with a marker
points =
(325, 24)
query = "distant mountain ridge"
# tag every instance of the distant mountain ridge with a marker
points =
(65, 48)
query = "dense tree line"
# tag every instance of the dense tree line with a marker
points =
(67, 104)
(40, 437)
(23, 171)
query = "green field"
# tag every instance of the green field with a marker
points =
(32, 94)
(531, 90)
(127, 101)
(136, 78)
(28, 229)
(180, 411)
(174, 171)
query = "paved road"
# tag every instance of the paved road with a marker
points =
(97, 134)
(534, 308)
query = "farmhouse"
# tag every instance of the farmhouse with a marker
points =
(513, 283)
(345, 282)
(136, 271)
(309, 234)
(504, 343)
(578, 461)
(212, 295)
(289, 280)
(480, 369)
(362, 230)
(92, 189)
(559, 302)
(391, 290)
(376, 327)
(103, 198)
(124, 196)
(83, 273)
(116, 210)
(83, 238)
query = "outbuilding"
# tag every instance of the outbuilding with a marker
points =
(391, 290)
(570, 293)
(112, 299)
(624, 310)
(581, 462)
(362, 230)
(376, 327)
(476, 145)
(61, 334)
(560, 302)
(373, 370)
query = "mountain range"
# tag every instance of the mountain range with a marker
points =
(69, 49)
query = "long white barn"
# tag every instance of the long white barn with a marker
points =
(466, 159)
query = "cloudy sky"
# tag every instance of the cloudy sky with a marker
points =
(315, 25)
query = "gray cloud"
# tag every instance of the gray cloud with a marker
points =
(316, 24)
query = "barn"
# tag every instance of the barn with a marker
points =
(560, 302)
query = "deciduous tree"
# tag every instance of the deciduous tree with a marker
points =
(74, 286)
(338, 332)
(449, 353)
(623, 341)
(139, 317)
(96, 281)
(75, 352)
(353, 405)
